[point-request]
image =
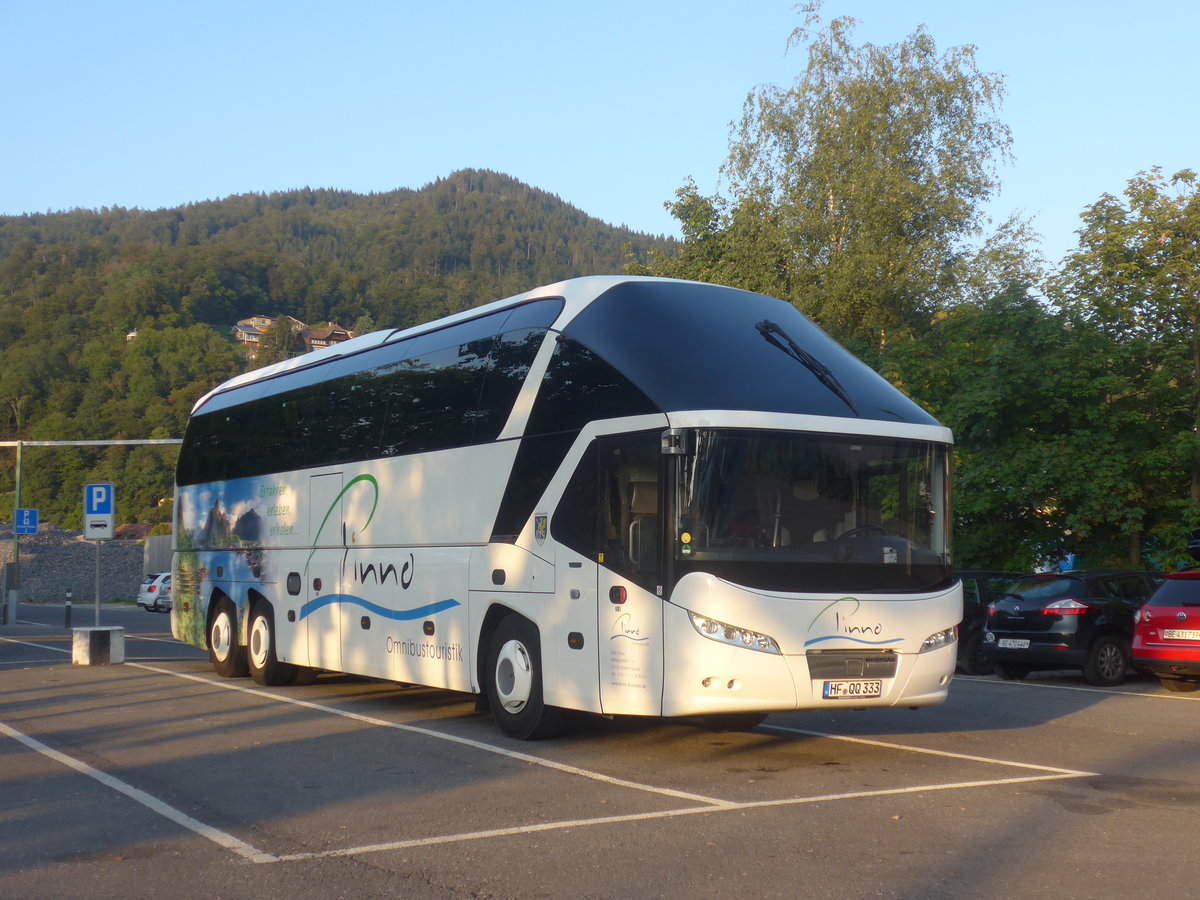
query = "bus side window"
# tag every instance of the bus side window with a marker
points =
(633, 534)
(609, 511)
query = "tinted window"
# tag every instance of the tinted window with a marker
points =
(538, 458)
(1131, 588)
(1048, 588)
(1178, 592)
(998, 585)
(446, 388)
(689, 346)
(610, 510)
(971, 592)
(804, 511)
(580, 387)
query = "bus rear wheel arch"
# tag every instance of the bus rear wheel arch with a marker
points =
(514, 681)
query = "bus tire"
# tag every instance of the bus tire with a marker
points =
(265, 667)
(227, 656)
(514, 667)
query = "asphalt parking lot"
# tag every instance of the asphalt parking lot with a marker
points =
(156, 777)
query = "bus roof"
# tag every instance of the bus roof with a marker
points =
(685, 345)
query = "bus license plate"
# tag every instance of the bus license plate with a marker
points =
(1181, 634)
(837, 690)
(1013, 643)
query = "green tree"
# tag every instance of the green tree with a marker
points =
(1049, 454)
(276, 342)
(854, 193)
(1136, 278)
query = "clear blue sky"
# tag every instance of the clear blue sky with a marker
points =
(611, 106)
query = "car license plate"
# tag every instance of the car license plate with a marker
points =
(1013, 643)
(1181, 634)
(837, 690)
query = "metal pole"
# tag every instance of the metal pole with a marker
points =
(14, 591)
(97, 584)
(67, 621)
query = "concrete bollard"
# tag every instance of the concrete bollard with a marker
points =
(98, 646)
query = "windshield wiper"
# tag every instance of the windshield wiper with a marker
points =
(769, 330)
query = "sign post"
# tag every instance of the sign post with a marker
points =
(99, 503)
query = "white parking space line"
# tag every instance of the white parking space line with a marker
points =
(228, 841)
(443, 736)
(28, 662)
(1068, 773)
(980, 679)
(32, 644)
(669, 814)
(706, 805)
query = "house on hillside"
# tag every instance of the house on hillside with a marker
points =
(248, 332)
(326, 336)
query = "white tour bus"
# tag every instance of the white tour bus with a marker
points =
(628, 496)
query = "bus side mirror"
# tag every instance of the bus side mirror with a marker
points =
(675, 442)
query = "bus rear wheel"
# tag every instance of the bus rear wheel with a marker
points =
(514, 669)
(227, 656)
(265, 667)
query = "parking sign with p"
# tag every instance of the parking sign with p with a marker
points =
(98, 509)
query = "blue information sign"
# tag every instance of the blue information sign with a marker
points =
(27, 521)
(98, 500)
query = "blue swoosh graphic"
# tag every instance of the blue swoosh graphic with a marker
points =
(842, 637)
(627, 637)
(398, 615)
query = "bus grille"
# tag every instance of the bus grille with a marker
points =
(851, 664)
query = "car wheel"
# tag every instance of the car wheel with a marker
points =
(265, 667)
(227, 656)
(974, 660)
(1107, 661)
(1179, 686)
(1010, 671)
(515, 682)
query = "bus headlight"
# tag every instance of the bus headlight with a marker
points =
(732, 634)
(941, 639)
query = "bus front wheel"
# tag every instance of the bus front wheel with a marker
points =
(227, 656)
(515, 682)
(265, 667)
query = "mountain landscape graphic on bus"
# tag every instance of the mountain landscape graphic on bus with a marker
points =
(399, 573)
(856, 632)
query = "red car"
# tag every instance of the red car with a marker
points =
(1166, 633)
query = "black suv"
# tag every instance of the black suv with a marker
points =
(980, 588)
(1067, 620)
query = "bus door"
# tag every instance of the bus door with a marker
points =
(629, 608)
(322, 587)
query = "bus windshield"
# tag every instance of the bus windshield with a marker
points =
(819, 512)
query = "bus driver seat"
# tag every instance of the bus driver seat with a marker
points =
(643, 524)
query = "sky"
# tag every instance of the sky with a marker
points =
(611, 106)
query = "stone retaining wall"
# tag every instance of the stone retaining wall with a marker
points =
(53, 560)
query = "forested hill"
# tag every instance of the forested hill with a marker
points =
(74, 285)
(401, 257)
